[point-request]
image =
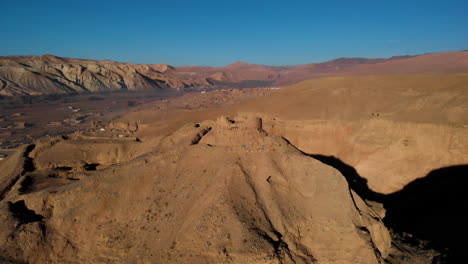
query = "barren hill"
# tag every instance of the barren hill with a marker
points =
(31, 75)
(369, 122)
(436, 63)
(395, 138)
(220, 191)
(49, 74)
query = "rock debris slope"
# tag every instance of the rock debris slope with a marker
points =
(220, 191)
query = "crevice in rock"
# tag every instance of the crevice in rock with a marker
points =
(200, 135)
(26, 184)
(366, 231)
(64, 168)
(28, 166)
(354, 201)
(9, 186)
(91, 166)
(23, 213)
(230, 120)
(280, 247)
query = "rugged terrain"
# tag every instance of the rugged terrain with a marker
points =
(26, 119)
(47, 74)
(360, 169)
(250, 198)
(382, 132)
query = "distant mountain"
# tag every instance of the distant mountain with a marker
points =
(240, 72)
(47, 74)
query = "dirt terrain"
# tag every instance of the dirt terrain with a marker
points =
(356, 169)
(22, 123)
(184, 211)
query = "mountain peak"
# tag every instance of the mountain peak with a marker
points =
(239, 64)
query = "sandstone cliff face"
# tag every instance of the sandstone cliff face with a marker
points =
(220, 191)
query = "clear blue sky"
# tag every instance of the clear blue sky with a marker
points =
(217, 32)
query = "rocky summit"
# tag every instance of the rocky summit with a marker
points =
(222, 191)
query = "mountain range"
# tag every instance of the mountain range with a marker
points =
(48, 74)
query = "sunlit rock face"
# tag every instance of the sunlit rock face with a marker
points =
(219, 191)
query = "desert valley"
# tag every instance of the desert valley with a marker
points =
(348, 161)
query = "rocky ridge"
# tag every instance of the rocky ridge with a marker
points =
(49, 74)
(220, 191)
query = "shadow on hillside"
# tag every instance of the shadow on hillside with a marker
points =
(357, 183)
(433, 208)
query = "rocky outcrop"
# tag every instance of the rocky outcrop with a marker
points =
(239, 195)
(49, 74)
